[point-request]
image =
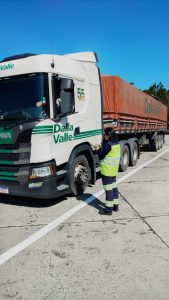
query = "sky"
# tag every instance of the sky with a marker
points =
(130, 37)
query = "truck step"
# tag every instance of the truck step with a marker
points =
(61, 172)
(97, 169)
(62, 187)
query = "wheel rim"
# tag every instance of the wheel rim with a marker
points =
(157, 145)
(125, 159)
(135, 154)
(81, 174)
(160, 145)
(162, 141)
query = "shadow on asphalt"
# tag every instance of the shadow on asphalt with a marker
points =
(38, 203)
(146, 148)
(30, 202)
(95, 203)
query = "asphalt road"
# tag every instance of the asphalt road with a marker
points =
(83, 255)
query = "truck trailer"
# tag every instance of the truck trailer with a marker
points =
(138, 119)
(53, 109)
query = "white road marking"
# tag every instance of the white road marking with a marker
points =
(48, 228)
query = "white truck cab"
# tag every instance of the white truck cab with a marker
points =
(50, 116)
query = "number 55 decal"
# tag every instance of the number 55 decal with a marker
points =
(81, 94)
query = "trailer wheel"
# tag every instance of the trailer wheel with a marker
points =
(80, 175)
(134, 154)
(160, 141)
(155, 144)
(124, 162)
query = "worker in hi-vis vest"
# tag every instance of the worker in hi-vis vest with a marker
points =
(109, 155)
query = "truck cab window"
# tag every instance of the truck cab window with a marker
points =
(24, 97)
(63, 96)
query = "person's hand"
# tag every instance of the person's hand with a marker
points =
(97, 147)
(39, 104)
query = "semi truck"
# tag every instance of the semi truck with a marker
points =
(53, 110)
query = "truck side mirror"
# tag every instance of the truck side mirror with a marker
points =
(67, 84)
(67, 96)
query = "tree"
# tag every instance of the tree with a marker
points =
(159, 92)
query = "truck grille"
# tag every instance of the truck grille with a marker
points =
(12, 183)
(9, 156)
(14, 163)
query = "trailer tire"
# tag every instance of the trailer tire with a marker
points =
(160, 141)
(155, 144)
(80, 175)
(124, 162)
(134, 154)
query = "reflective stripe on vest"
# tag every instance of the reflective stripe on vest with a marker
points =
(110, 164)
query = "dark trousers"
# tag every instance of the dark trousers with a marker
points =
(111, 190)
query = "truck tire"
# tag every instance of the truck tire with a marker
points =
(124, 162)
(155, 144)
(134, 154)
(80, 175)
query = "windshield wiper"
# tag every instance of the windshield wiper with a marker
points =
(12, 118)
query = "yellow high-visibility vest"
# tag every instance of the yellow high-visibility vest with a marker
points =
(110, 164)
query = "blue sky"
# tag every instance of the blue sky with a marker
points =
(130, 37)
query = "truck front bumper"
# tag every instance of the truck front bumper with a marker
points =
(41, 189)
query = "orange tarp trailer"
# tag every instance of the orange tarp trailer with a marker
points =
(127, 108)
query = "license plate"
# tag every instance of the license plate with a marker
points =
(4, 190)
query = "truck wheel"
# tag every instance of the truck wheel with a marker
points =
(155, 144)
(124, 162)
(80, 175)
(134, 154)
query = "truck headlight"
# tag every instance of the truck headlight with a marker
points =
(41, 172)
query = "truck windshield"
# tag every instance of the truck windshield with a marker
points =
(24, 97)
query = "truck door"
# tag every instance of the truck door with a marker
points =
(63, 110)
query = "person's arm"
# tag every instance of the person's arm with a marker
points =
(104, 151)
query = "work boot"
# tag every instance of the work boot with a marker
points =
(116, 207)
(105, 211)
